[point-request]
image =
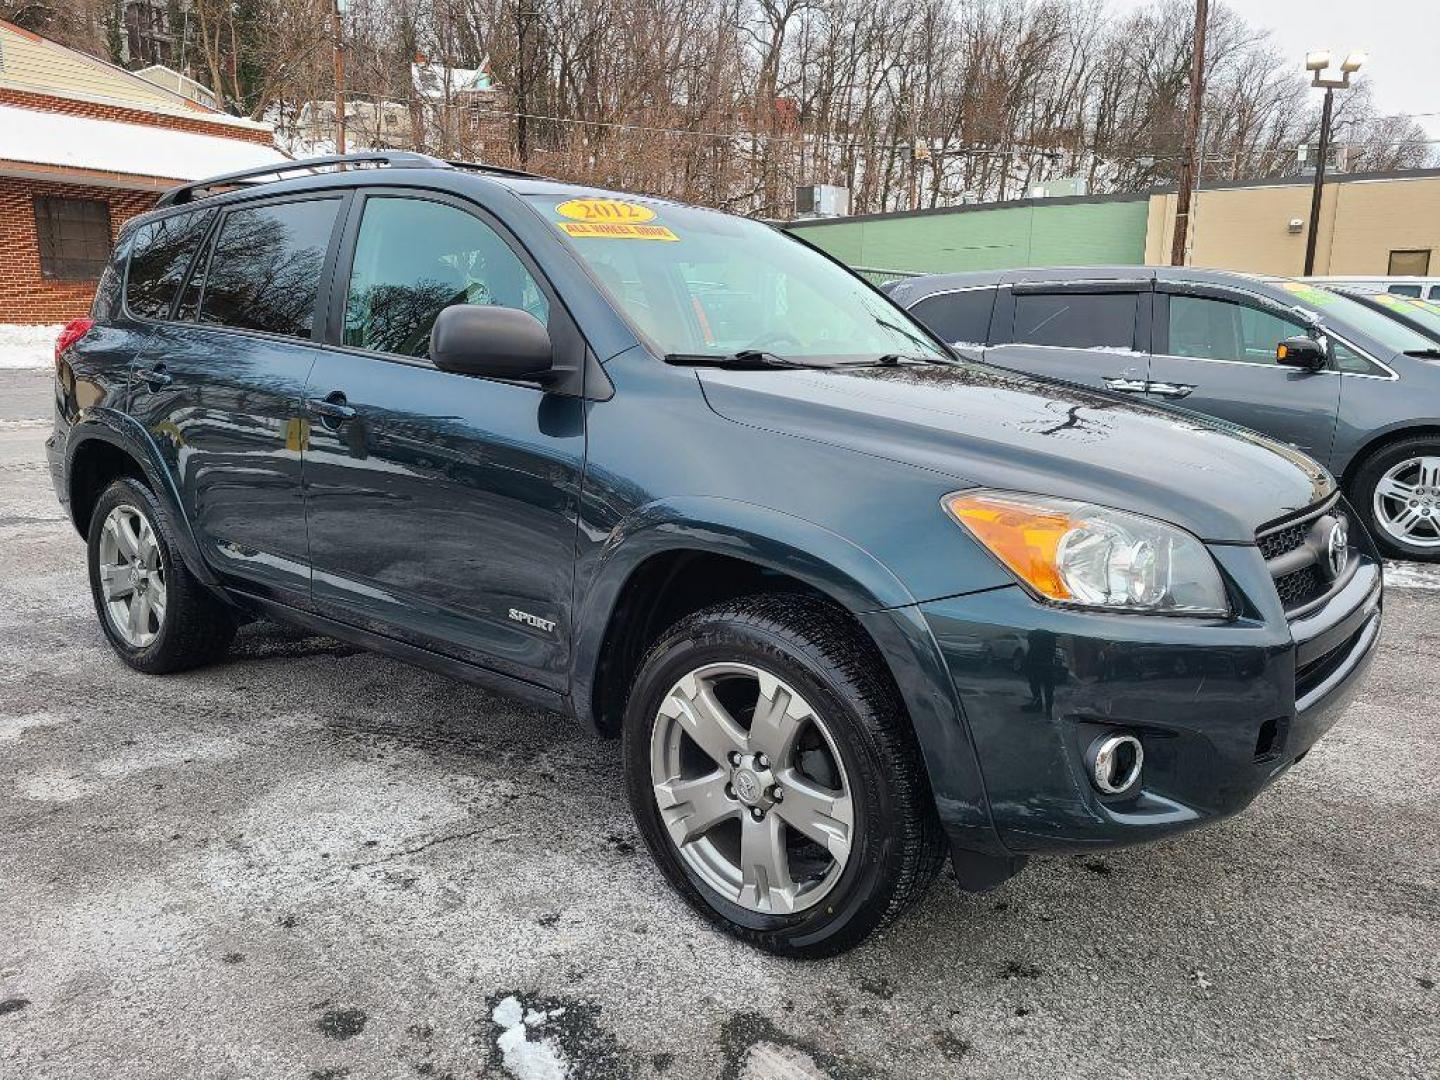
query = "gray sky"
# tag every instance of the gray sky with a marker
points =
(1401, 36)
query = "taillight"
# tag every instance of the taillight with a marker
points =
(74, 330)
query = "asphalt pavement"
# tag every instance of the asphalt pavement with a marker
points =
(313, 862)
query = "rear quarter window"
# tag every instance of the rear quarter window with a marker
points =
(961, 318)
(160, 254)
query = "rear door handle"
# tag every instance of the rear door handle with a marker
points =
(332, 409)
(1171, 390)
(1128, 386)
(157, 378)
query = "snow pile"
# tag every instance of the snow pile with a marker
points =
(1412, 575)
(27, 346)
(526, 1059)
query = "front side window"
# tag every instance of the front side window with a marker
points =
(265, 267)
(961, 318)
(74, 238)
(414, 258)
(701, 283)
(160, 255)
(1076, 320)
(1213, 329)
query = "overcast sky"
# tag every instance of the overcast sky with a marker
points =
(1401, 36)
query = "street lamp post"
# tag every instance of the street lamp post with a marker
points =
(1317, 63)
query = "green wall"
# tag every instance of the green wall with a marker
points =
(1036, 232)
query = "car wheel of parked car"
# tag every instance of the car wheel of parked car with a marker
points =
(1398, 492)
(775, 777)
(154, 612)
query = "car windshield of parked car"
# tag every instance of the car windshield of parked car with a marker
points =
(701, 283)
(1424, 312)
(1345, 312)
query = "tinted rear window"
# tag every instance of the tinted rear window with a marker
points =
(159, 256)
(961, 318)
(1076, 320)
(265, 268)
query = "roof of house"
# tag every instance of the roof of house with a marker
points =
(112, 150)
(37, 65)
(429, 80)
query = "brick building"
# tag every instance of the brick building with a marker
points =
(84, 146)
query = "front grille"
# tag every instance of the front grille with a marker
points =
(1297, 555)
(1300, 587)
(1309, 676)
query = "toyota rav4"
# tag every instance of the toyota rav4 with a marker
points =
(853, 603)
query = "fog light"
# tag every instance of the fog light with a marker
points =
(1114, 762)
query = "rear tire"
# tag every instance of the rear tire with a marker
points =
(838, 875)
(155, 613)
(1396, 491)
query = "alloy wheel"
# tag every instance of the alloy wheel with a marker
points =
(132, 576)
(1407, 501)
(751, 788)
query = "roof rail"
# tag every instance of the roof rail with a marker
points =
(499, 170)
(398, 159)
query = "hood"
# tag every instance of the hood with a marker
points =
(991, 428)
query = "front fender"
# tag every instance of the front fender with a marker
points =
(125, 433)
(834, 566)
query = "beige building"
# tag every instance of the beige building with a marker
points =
(1375, 223)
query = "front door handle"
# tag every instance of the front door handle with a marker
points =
(332, 409)
(157, 378)
(1128, 386)
(1171, 390)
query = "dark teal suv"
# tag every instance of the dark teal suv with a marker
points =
(853, 603)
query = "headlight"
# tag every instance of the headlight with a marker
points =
(1091, 556)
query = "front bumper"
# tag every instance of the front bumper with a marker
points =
(1221, 707)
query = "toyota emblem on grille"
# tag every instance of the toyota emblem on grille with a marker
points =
(1337, 549)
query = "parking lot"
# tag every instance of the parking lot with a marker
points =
(315, 862)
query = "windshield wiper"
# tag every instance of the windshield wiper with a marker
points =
(891, 359)
(744, 360)
(1427, 354)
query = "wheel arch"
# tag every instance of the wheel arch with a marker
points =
(106, 445)
(1380, 440)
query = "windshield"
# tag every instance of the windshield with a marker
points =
(1424, 312)
(701, 283)
(1373, 324)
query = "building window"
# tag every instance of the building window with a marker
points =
(74, 238)
(1410, 262)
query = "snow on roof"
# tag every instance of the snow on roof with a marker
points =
(79, 142)
(429, 80)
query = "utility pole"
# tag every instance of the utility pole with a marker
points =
(339, 43)
(1316, 63)
(1190, 166)
(523, 14)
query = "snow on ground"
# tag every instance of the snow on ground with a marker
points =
(1412, 575)
(27, 346)
(527, 1059)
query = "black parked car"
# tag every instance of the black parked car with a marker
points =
(852, 603)
(1355, 389)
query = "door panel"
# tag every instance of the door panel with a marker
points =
(1098, 338)
(1218, 353)
(442, 508)
(222, 396)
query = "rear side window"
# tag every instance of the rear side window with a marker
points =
(414, 258)
(961, 318)
(160, 254)
(1076, 320)
(1406, 290)
(265, 267)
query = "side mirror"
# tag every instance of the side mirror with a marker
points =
(498, 342)
(1301, 352)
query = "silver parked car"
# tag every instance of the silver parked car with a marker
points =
(1352, 387)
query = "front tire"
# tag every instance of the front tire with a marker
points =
(774, 775)
(1397, 492)
(155, 614)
